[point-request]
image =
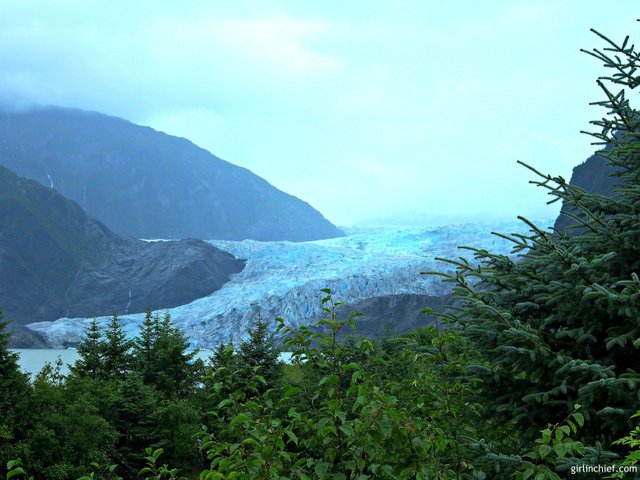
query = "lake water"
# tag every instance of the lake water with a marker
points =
(32, 359)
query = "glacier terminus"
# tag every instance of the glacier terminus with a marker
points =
(284, 279)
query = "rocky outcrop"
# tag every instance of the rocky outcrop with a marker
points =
(146, 184)
(394, 314)
(24, 337)
(55, 261)
(158, 274)
(593, 175)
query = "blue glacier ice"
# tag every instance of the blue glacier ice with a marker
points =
(283, 279)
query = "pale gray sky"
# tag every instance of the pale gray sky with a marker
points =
(365, 109)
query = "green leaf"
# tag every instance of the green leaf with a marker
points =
(291, 390)
(292, 436)
(267, 453)
(544, 450)
(240, 418)
(347, 429)
(546, 435)
(329, 380)
(321, 469)
(157, 453)
(14, 472)
(579, 418)
(350, 366)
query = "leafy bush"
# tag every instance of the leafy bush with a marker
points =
(343, 419)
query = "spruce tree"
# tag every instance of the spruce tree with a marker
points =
(90, 364)
(559, 325)
(14, 398)
(258, 353)
(133, 411)
(144, 347)
(223, 357)
(176, 368)
(115, 350)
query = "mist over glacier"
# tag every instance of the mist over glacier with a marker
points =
(284, 279)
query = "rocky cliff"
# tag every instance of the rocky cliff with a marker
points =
(593, 175)
(56, 261)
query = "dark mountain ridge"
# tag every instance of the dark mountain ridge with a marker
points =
(147, 184)
(56, 261)
(593, 175)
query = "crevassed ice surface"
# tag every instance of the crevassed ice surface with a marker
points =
(284, 279)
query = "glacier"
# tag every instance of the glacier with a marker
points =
(284, 279)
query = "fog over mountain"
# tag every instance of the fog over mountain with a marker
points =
(148, 184)
(364, 110)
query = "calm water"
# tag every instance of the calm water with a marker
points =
(32, 360)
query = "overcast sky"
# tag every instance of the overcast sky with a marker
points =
(365, 109)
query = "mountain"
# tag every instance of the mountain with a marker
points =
(593, 175)
(146, 184)
(56, 261)
(376, 270)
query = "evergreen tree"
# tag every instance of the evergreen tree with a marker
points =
(115, 350)
(134, 409)
(90, 363)
(560, 325)
(258, 353)
(14, 399)
(177, 423)
(144, 347)
(223, 357)
(177, 370)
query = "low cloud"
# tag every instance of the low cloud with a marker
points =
(360, 109)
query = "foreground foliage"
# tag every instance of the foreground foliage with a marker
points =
(348, 416)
